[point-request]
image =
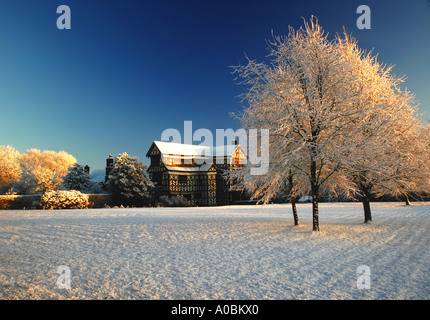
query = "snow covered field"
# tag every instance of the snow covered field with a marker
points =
(240, 252)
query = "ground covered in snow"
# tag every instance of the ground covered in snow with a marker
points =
(232, 252)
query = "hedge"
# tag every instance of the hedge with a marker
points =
(20, 202)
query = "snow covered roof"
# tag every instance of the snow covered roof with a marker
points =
(182, 149)
(194, 150)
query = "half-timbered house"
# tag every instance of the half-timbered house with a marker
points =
(195, 172)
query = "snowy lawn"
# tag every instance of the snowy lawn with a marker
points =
(232, 252)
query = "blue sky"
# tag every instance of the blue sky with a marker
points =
(127, 70)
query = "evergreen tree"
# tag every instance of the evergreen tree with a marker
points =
(78, 179)
(128, 182)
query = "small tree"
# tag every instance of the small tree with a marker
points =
(78, 179)
(128, 182)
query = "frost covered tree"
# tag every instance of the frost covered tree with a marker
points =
(43, 170)
(78, 179)
(409, 170)
(396, 165)
(390, 157)
(10, 169)
(339, 121)
(128, 181)
(305, 96)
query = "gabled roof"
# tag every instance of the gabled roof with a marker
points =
(182, 149)
(172, 148)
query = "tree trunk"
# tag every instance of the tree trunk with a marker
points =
(366, 204)
(314, 181)
(407, 201)
(293, 201)
(366, 195)
(315, 215)
(367, 211)
(295, 215)
(315, 189)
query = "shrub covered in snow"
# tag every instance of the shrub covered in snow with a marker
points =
(64, 200)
